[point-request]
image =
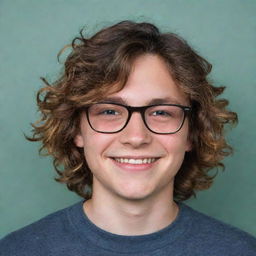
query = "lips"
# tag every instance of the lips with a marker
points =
(135, 161)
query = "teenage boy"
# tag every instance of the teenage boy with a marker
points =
(134, 126)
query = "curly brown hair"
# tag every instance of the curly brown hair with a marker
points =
(100, 65)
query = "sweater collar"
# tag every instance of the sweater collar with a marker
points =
(128, 244)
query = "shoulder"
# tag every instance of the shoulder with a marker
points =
(39, 237)
(211, 234)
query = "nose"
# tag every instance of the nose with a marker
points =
(135, 133)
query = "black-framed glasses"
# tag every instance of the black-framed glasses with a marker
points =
(159, 118)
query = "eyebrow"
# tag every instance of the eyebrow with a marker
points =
(165, 100)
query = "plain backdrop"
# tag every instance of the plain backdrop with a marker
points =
(32, 33)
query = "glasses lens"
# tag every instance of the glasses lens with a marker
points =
(164, 118)
(107, 117)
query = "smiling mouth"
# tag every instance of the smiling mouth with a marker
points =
(136, 161)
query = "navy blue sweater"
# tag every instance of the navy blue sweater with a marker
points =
(70, 232)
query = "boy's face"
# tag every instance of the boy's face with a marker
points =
(149, 80)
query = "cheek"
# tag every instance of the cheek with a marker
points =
(92, 151)
(95, 153)
(95, 146)
(175, 143)
(175, 148)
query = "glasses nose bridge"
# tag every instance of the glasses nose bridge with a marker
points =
(141, 110)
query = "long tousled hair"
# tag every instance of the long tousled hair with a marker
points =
(100, 65)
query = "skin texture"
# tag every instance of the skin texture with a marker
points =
(136, 199)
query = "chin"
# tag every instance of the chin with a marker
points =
(134, 198)
(134, 195)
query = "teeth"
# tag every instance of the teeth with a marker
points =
(136, 161)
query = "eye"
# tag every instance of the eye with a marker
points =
(108, 112)
(103, 110)
(160, 113)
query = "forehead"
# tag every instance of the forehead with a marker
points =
(149, 80)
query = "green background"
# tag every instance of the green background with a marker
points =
(32, 32)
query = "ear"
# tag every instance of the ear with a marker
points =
(79, 141)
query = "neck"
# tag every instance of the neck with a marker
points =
(131, 217)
